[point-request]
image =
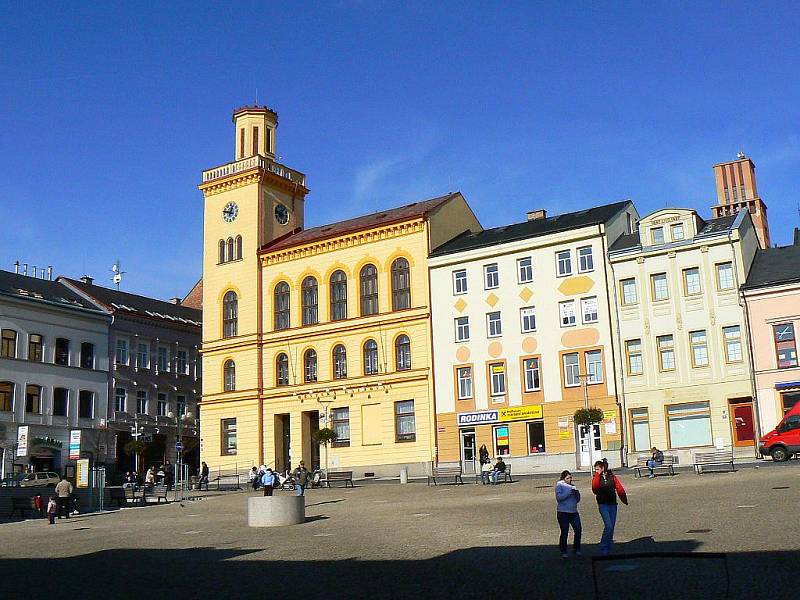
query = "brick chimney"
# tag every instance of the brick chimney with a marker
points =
(537, 214)
(87, 280)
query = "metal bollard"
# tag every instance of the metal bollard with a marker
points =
(404, 475)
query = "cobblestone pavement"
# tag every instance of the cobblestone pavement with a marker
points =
(388, 540)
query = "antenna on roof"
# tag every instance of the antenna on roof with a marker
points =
(116, 269)
(256, 102)
(740, 155)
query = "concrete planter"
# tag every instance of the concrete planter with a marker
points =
(275, 511)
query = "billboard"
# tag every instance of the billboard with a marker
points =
(22, 440)
(75, 444)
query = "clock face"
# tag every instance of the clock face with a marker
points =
(230, 211)
(281, 214)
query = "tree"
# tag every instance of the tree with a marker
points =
(134, 447)
(324, 436)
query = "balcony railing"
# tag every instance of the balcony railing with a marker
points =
(253, 162)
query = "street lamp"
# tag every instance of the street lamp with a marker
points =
(585, 379)
(180, 420)
(325, 403)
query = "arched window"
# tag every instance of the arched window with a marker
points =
(229, 372)
(370, 357)
(402, 353)
(238, 246)
(281, 307)
(339, 362)
(309, 299)
(401, 284)
(231, 249)
(338, 295)
(6, 396)
(310, 366)
(369, 290)
(282, 369)
(221, 252)
(230, 309)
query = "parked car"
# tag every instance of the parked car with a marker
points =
(783, 441)
(40, 479)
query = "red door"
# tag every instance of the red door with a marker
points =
(744, 431)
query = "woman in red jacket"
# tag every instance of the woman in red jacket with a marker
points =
(606, 487)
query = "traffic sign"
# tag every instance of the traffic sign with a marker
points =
(178, 446)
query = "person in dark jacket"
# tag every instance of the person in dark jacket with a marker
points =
(567, 497)
(606, 487)
(483, 454)
(301, 476)
(656, 460)
(499, 469)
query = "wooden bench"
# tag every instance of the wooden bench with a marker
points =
(668, 464)
(157, 491)
(704, 459)
(23, 504)
(346, 476)
(440, 472)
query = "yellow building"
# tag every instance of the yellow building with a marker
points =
(311, 327)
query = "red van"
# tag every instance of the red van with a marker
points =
(784, 440)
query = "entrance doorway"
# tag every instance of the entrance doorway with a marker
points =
(590, 444)
(468, 452)
(742, 422)
(283, 443)
(310, 445)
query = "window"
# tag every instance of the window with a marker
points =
(527, 318)
(788, 401)
(401, 284)
(231, 249)
(369, 290)
(491, 276)
(502, 445)
(141, 402)
(785, 346)
(525, 270)
(370, 357)
(564, 263)
(633, 353)
(589, 309)
(308, 300)
(60, 401)
(281, 307)
(182, 362)
(462, 329)
(255, 141)
(9, 347)
(340, 423)
(725, 276)
(536, 440)
(666, 352)
(402, 353)
(658, 282)
(229, 373)
(460, 282)
(338, 295)
(35, 347)
(62, 351)
(497, 374)
(122, 352)
(310, 366)
(339, 362)
(120, 399)
(33, 399)
(464, 377)
(689, 425)
(85, 404)
(87, 355)
(567, 312)
(228, 429)
(530, 368)
(640, 424)
(677, 232)
(572, 369)
(221, 257)
(230, 317)
(629, 295)
(282, 369)
(594, 366)
(180, 404)
(585, 259)
(494, 325)
(238, 247)
(161, 405)
(733, 343)
(6, 396)
(163, 359)
(142, 356)
(691, 281)
(657, 235)
(698, 344)
(404, 427)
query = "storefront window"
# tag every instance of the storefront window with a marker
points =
(789, 400)
(501, 440)
(689, 425)
(536, 442)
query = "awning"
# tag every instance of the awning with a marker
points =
(785, 385)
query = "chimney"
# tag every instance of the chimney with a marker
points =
(175, 300)
(34, 272)
(535, 215)
(24, 268)
(16, 267)
(87, 280)
(50, 273)
(796, 236)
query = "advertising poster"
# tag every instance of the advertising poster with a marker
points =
(22, 440)
(82, 475)
(75, 444)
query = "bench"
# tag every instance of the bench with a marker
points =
(157, 491)
(440, 472)
(504, 478)
(122, 495)
(23, 504)
(346, 476)
(668, 464)
(704, 459)
(229, 480)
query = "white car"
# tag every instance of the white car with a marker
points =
(41, 479)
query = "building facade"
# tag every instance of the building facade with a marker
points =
(681, 332)
(53, 375)
(522, 335)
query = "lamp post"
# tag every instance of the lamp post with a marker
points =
(325, 403)
(585, 379)
(136, 431)
(179, 422)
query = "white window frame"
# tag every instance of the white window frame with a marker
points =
(497, 386)
(118, 396)
(653, 236)
(670, 349)
(493, 274)
(584, 303)
(563, 313)
(564, 257)
(677, 227)
(525, 272)
(594, 366)
(698, 283)
(146, 398)
(572, 371)
(733, 341)
(127, 350)
(159, 356)
(695, 346)
(720, 286)
(144, 363)
(623, 287)
(535, 368)
(162, 405)
(527, 314)
(494, 327)
(464, 377)
(460, 285)
(655, 287)
(585, 260)
(185, 370)
(459, 327)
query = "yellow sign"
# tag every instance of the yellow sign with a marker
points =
(82, 476)
(520, 413)
(608, 415)
(498, 368)
(564, 434)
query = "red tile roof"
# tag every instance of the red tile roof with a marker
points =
(194, 299)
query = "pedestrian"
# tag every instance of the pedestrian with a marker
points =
(656, 460)
(567, 497)
(52, 507)
(301, 476)
(64, 493)
(150, 477)
(268, 481)
(253, 478)
(498, 470)
(486, 472)
(203, 476)
(483, 454)
(606, 487)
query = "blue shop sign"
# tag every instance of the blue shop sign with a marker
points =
(478, 418)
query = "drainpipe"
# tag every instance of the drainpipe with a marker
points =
(432, 380)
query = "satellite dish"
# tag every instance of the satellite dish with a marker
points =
(116, 269)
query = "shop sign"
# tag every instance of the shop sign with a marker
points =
(609, 415)
(75, 444)
(564, 434)
(477, 418)
(22, 440)
(82, 476)
(501, 415)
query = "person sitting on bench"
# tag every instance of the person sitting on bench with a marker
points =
(486, 472)
(656, 460)
(499, 469)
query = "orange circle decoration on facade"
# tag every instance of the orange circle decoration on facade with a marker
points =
(462, 354)
(495, 349)
(529, 345)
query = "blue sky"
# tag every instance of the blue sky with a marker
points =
(110, 113)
